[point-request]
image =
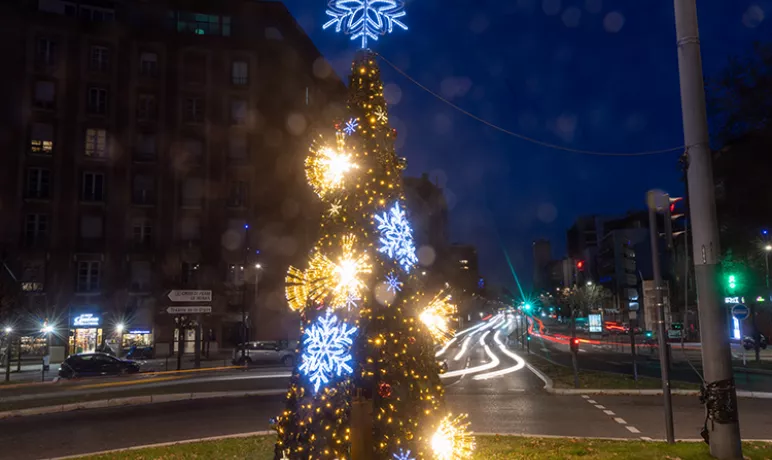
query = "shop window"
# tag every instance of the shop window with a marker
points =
(42, 139)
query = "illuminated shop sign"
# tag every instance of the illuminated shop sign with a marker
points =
(139, 331)
(86, 320)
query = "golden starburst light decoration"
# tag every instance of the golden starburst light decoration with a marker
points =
(453, 440)
(436, 317)
(327, 166)
(331, 281)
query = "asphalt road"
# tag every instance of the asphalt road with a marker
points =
(508, 399)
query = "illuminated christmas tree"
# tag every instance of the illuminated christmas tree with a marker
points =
(369, 332)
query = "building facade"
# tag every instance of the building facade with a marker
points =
(153, 146)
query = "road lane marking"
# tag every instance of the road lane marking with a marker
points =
(585, 397)
(592, 401)
(600, 407)
(632, 429)
(620, 420)
(609, 412)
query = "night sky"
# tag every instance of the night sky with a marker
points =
(587, 74)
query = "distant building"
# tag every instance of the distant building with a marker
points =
(157, 145)
(462, 270)
(428, 213)
(583, 235)
(542, 256)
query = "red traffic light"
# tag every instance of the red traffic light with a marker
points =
(580, 265)
(575, 341)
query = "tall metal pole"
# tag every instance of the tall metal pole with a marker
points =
(723, 427)
(244, 299)
(664, 356)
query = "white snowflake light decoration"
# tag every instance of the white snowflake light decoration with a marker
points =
(393, 283)
(335, 208)
(397, 237)
(327, 350)
(351, 301)
(402, 455)
(365, 19)
(381, 115)
(351, 126)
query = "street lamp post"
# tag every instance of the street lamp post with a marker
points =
(9, 347)
(767, 249)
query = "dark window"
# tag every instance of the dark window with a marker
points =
(97, 100)
(91, 227)
(99, 60)
(193, 110)
(190, 229)
(239, 73)
(193, 150)
(89, 276)
(38, 183)
(238, 111)
(147, 107)
(148, 64)
(45, 52)
(192, 193)
(188, 274)
(142, 232)
(238, 194)
(92, 187)
(140, 276)
(143, 192)
(237, 147)
(42, 139)
(145, 148)
(35, 228)
(45, 94)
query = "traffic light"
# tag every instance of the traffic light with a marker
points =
(574, 345)
(670, 216)
(527, 306)
(580, 265)
(649, 334)
(731, 282)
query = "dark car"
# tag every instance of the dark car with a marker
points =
(749, 343)
(95, 364)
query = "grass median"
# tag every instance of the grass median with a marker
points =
(488, 448)
(563, 377)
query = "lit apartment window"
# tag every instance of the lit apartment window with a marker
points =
(33, 277)
(100, 59)
(89, 276)
(96, 143)
(45, 52)
(38, 183)
(238, 111)
(193, 110)
(148, 64)
(91, 227)
(201, 24)
(42, 139)
(35, 228)
(92, 187)
(239, 73)
(45, 94)
(97, 100)
(147, 108)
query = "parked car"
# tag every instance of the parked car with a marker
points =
(95, 364)
(264, 352)
(749, 343)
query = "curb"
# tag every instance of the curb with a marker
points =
(135, 401)
(549, 388)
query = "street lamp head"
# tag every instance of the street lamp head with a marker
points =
(258, 266)
(589, 283)
(768, 247)
(119, 327)
(8, 329)
(48, 329)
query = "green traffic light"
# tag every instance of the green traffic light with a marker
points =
(527, 307)
(732, 281)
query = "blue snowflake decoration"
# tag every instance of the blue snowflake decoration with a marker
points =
(402, 455)
(393, 284)
(397, 237)
(351, 126)
(327, 350)
(365, 19)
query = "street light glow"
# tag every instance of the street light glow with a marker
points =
(589, 283)
(119, 327)
(258, 266)
(768, 247)
(48, 329)
(8, 329)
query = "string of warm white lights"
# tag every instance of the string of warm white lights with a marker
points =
(523, 137)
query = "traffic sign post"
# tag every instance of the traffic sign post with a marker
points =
(189, 310)
(741, 313)
(190, 295)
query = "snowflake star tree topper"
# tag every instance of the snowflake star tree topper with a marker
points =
(397, 237)
(365, 19)
(327, 350)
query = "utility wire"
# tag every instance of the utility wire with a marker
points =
(521, 136)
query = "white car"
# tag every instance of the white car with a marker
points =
(264, 352)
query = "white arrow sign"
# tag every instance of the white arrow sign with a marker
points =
(188, 310)
(190, 296)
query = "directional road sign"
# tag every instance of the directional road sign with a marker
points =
(740, 312)
(188, 310)
(190, 296)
